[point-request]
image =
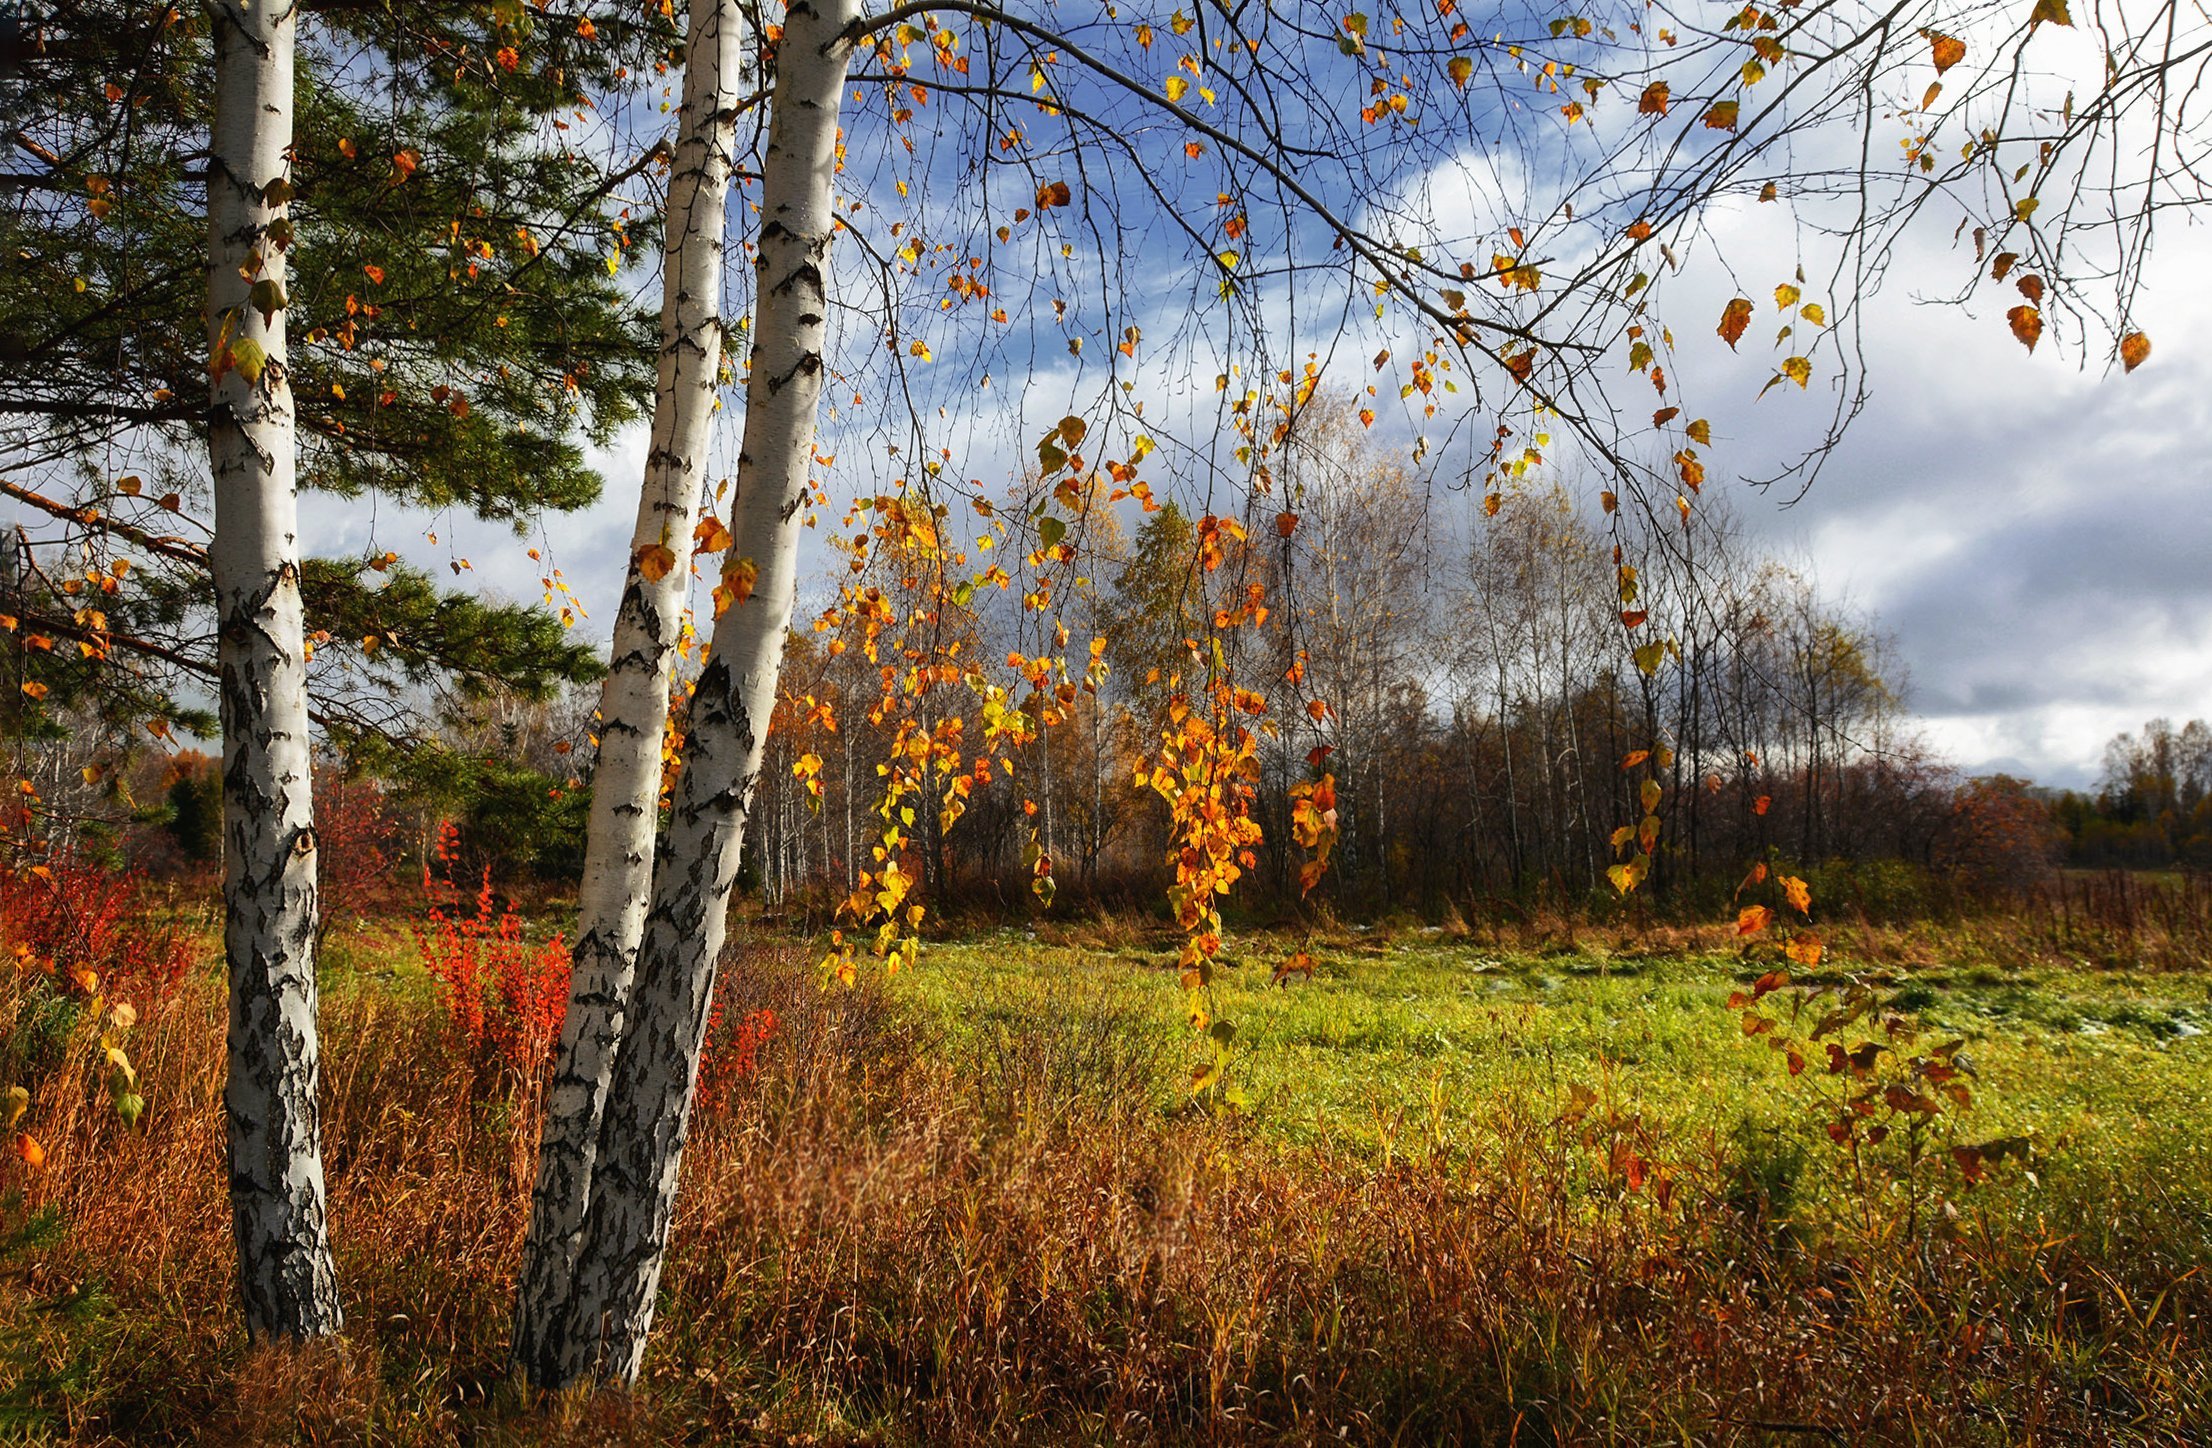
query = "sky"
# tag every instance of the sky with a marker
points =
(2035, 535)
(2030, 530)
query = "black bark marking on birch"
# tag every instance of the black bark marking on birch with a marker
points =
(807, 275)
(806, 366)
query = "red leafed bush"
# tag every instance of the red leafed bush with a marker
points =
(358, 843)
(504, 997)
(68, 915)
(731, 1052)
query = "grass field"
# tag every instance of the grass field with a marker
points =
(976, 1203)
(1397, 1030)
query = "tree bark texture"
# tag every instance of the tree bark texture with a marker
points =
(286, 1280)
(633, 1189)
(633, 708)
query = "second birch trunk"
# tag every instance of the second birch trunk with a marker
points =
(633, 710)
(633, 1189)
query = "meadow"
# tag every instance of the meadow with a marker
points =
(1480, 1186)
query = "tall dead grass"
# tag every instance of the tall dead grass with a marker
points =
(883, 1239)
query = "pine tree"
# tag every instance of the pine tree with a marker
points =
(458, 333)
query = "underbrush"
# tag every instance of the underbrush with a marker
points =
(1018, 1232)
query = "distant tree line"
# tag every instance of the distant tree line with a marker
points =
(1483, 694)
(2152, 807)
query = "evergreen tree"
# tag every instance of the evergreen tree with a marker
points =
(459, 330)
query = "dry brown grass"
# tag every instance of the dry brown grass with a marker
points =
(884, 1241)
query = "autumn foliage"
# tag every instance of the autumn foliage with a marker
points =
(90, 926)
(503, 996)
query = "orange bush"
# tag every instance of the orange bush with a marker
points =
(504, 997)
(67, 916)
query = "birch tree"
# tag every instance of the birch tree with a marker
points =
(633, 711)
(278, 1209)
(633, 1181)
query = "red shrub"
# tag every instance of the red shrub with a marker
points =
(504, 998)
(68, 915)
(2001, 837)
(731, 1055)
(357, 844)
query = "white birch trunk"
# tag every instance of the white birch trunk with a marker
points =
(633, 1189)
(633, 708)
(286, 1281)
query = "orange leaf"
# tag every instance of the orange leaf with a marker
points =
(654, 563)
(34, 1155)
(1948, 51)
(2135, 349)
(1285, 524)
(742, 576)
(1798, 893)
(1734, 319)
(2027, 325)
(1762, 804)
(1752, 919)
(1653, 102)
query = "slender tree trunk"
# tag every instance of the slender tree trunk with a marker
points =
(278, 1212)
(852, 877)
(1098, 792)
(633, 709)
(633, 1190)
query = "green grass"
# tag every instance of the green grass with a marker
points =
(1411, 1042)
